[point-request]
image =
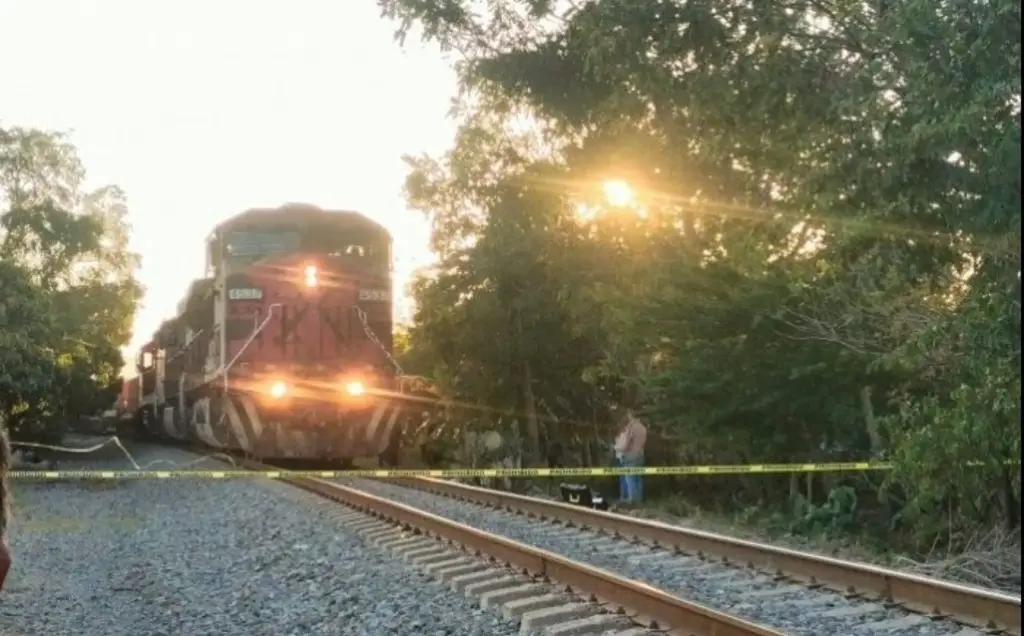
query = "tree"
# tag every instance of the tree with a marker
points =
(67, 286)
(822, 260)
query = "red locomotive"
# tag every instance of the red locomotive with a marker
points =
(283, 350)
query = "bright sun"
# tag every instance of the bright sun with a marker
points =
(617, 192)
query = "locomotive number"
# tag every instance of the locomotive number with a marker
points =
(251, 293)
(373, 295)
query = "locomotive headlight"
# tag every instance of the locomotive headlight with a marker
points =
(355, 389)
(311, 276)
(278, 390)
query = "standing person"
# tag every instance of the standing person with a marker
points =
(5, 505)
(629, 453)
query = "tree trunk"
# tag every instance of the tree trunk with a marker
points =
(1008, 498)
(870, 423)
(532, 450)
(875, 438)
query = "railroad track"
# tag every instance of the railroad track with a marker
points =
(548, 593)
(795, 592)
(568, 569)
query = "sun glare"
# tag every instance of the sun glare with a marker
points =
(617, 192)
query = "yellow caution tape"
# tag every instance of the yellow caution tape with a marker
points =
(727, 469)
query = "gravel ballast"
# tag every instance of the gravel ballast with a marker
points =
(207, 557)
(753, 596)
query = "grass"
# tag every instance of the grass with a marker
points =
(990, 558)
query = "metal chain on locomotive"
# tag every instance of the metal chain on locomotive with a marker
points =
(375, 340)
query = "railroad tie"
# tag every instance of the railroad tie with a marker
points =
(542, 609)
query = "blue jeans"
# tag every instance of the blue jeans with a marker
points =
(631, 487)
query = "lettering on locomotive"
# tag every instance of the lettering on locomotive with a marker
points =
(374, 295)
(245, 293)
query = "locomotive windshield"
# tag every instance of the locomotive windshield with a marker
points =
(362, 248)
(261, 243)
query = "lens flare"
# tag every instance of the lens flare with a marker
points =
(311, 276)
(355, 388)
(618, 192)
(278, 390)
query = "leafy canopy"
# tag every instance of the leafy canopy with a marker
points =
(821, 260)
(68, 291)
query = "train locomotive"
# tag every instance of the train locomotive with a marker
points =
(283, 350)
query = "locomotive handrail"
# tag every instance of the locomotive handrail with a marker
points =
(255, 332)
(180, 351)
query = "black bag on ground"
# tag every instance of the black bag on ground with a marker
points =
(582, 495)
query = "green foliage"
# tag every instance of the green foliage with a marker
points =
(67, 287)
(836, 516)
(822, 260)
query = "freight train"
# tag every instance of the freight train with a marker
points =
(283, 350)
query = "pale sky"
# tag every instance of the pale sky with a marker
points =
(202, 109)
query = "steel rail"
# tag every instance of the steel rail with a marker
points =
(670, 612)
(977, 607)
